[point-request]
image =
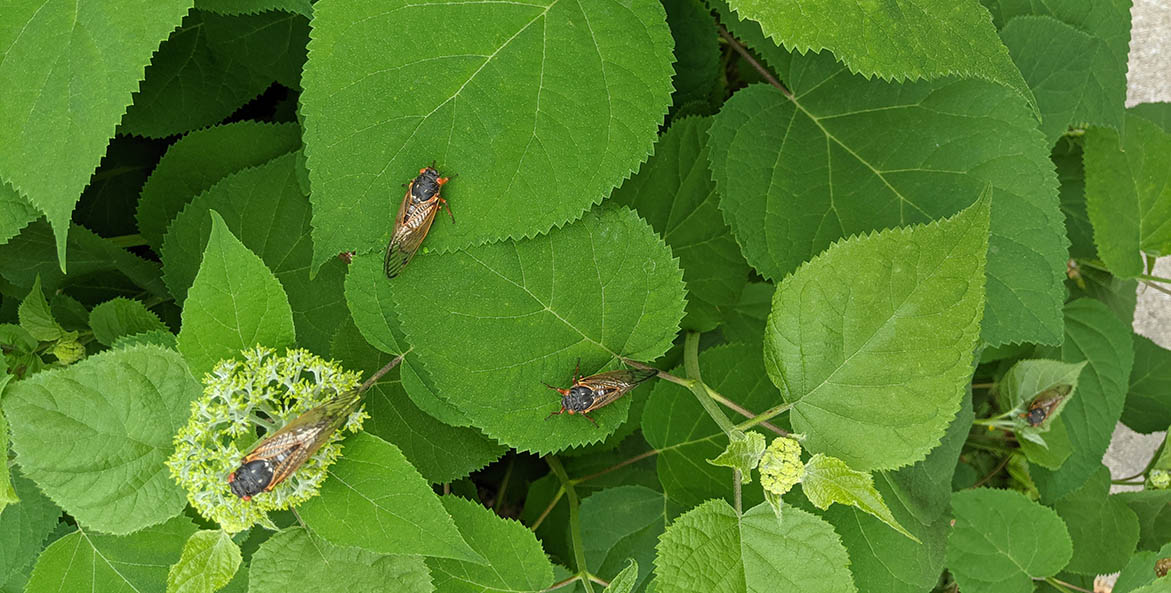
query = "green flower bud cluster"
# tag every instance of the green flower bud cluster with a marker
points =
(263, 391)
(780, 466)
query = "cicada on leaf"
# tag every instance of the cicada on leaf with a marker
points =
(415, 215)
(587, 394)
(1043, 406)
(277, 456)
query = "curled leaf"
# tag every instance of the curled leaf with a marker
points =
(743, 453)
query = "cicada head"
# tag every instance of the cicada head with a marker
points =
(251, 478)
(578, 399)
(426, 185)
(1035, 416)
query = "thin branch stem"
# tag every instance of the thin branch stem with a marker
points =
(548, 509)
(125, 241)
(691, 364)
(503, 485)
(382, 371)
(618, 465)
(1061, 585)
(595, 579)
(991, 474)
(767, 415)
(740, 49)
(736, 494)
(574, 521)
(562, 583)
(983, 385)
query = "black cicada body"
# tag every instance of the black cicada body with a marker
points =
(587, 394)
(414, 218)
(1043, 405)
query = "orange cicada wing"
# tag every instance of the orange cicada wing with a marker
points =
(409, 231)
(288, 448)
(612, 385)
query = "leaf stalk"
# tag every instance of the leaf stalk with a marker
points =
(574, 521)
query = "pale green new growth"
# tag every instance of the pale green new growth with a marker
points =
(36, 318)
(780, 470)
(625, 581)
(828, 480)
(210, 559)
(872, 340)
(743, 453)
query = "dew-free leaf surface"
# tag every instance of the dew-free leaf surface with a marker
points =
(210, 559)
(1104, 530)
(516, 561)
(1148, 402)
(122, 317)
(295, 561)
(540, 107)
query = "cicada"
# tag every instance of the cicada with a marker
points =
(415, 215)
(279, 455)
(587, 394)
(1043, 405)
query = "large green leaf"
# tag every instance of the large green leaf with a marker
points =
(1148, 401)
(895, 40)
(516, 562)
(267, 209)
(1159, 113)
(298, 561)
(675, 193)
(685, 435)
(848, 156)
(375, 500)
(302, 7)
(1067, 156)
(1128, 193)
(1153, 508)
(135, 563)
(209, 561)
(122, 317)
(541, 108)
(198, 160)
(872, 341)
(492, 323)
(24, 527)
(440, 452)
(68, 70)
(94, 436)
(234, 303)
(1094, 334)
(621, 523)
(1103, 529)
(712, 550)
(1001, 540)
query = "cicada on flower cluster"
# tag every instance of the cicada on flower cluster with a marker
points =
(279, 455)
(587, 394)
(414, 218)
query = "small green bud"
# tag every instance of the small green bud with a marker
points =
(1160, 479)
(68, 352)
(780, 466)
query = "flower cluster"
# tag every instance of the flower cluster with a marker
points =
(242, 403)
(780, 466)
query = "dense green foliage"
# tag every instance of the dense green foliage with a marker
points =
(883, 255)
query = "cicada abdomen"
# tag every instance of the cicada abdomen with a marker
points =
(414, 218)
(587, 394)
(1045, 403)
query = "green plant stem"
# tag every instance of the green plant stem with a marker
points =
(992, 474)
(595, 579)
(754, 419)
(768, 76)
(691, 365)
(983, 385)
(382, 371)
(737, 498)
(548, 509)
(503, 485)
(1102, 268)
(562, 583)
(125, 241)
(574, 521)
(1127, 483)
(767, 415)
(618, 465)
(1065, 587)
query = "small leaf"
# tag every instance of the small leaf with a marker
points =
(122, 317)
(1103, 529)
(24, 527)
(1128, 193)
(375, 500)
(1002, 540)
(94, 435)
(35, 316)
(1148, 401)
(86, 561)
(210, 559)
(624, 582)
(902, 40)
(296, 561)
(711, 549)
(234, 304)
(53, 55)
(621, 524)
(743, 453)
(587, 87)
(516, 561)
(1153, 508)
(1033, 388)
(828, 480)
(601, 288)
(15, 212)
(871, 341)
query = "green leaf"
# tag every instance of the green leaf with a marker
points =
(15, 212)
(122, 317)
(1094, 334)
(440, 452)
(744, 321)
(266, 208)
(235, 303)
(1054, 448)
(900, 40)
(1159, 586)
(743, 453)
(1028, 380)
(516, 561)
(601, 288)
(135, 563)
(849, 156)
(622, 524)
(161, 338)
(36, 318)
(1067, 156)
(198, 160)
(94, 436)
(370, 299)
(1159, 113)
(541, 108)
(1128, 193)
(872, 340)
(697, 55)
(625, 580)
(24, 527)
(54, 54)
(686, 436)
(1077, 75)
(191, 83)
(1001, 540)
(293, 561)
(302, 7)
(1148, 401)
(1103, 529)
(209, 560)
(8, 493)
(360, 505)
(675, 193)
(828, 480)
(1153, 508)
(712, 550)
